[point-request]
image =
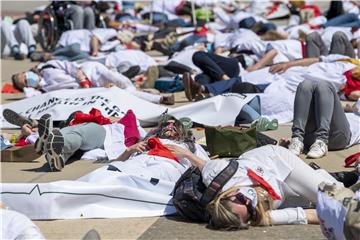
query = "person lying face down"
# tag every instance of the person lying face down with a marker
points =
(266, 176)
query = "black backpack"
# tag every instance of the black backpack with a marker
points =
(191, 196)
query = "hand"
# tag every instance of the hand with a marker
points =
(140, 147)
(311, 216)
(109, 85)
(94, 53)
(278, 68)
(178, 151)
(80, 75)
(26, 130)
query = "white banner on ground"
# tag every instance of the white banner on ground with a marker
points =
(115, 195)
(219, 110)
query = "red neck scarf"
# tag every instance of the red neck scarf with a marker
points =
(158, 149)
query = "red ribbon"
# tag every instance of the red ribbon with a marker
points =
(264, 184)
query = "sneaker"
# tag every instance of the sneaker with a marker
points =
(15, 52)
(152, 74)
(318, 149)
(31, 50)
(17, 119)
(132, 71)
(296, 146)
(44, 128)
(54, 155)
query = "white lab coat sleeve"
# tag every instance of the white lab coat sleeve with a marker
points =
(288, 216)
(116, 78)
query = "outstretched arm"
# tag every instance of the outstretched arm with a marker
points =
(282, 67)
(266, 59)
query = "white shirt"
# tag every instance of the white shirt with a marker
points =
(132, 57)
(354, 122)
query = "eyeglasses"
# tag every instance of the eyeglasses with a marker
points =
(241, 199)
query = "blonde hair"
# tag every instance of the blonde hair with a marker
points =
(222, 217)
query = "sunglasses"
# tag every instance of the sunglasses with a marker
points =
(241, 199)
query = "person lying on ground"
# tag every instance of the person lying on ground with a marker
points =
(266, 176)
(320, 122)
(56, 75)
(60, 145)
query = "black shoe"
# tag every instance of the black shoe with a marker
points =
(17, 119)
(44, 128)
(177, 68)
(160, 48)
(15, 52)
(347, 178)
(68, 120)
(132, 71)
(54, 154)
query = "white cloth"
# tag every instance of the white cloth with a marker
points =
(185, 57)
(138, 187)
(15, 225)
(129, 57)
(354, 122)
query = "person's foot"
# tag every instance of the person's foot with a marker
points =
(152, 74)
(31, 50)
(318, 149)
(132, 71)
(45, 126)
(15, 52)
(17, 119)
(54, 155)
(162, 48)
(168, 100)
(296, 146)
(192, 88)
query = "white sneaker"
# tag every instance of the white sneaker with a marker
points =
(318, 149)
(296, 146)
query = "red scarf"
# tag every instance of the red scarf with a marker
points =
(158, 149)
(351, 159)
(93, 116)
(263, 183)
(352, 84)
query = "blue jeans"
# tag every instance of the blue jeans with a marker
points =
(190, 40)
(249, 112)
(223, 86)
(345, 20)
(70, 53)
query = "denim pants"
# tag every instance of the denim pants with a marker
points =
(70, 53)
(223, 86)
(249, 112)
(214, 67)
(318, 114)
(345, 20)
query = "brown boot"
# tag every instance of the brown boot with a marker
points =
(168, 100)
(191, 87)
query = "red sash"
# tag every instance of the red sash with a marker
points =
(263, 183)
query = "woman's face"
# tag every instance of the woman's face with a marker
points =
(239, 208)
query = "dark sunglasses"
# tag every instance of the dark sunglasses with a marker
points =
(241, 199)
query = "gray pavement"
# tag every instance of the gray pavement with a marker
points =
(133, 228)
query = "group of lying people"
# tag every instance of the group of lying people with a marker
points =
(304, 69)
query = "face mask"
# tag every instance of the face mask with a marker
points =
(32, 79)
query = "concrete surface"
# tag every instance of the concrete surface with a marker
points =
(133, 228)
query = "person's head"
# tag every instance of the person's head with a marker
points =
(25, 79)
(234, 209)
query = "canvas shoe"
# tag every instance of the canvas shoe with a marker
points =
(318, 149)
(17, 119)
(45, 126)
(54, 155)
(296, 146)
(278, 11)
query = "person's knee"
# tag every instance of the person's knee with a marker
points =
(198, 57)
(339, 36)
(324, 86)
(89, 13)
(23, 24)
(306, 85)
(313, 37)
(76, 12)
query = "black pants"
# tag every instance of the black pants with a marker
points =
(214, 67)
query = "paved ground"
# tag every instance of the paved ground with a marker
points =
(142, 228)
